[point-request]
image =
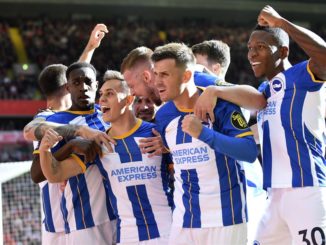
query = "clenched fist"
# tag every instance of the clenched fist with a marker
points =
(192, 125)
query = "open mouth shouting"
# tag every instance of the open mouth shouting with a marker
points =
(105, 109)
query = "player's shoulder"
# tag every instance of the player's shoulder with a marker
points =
(147, 125)
(203, 79)
(43, 114)
(298, 70)
(145, 129)
(61, 117)
(166, 110)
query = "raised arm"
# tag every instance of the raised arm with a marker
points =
(313, 45)
(242, 95)
(93, 43)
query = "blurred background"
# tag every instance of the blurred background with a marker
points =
(34, 34)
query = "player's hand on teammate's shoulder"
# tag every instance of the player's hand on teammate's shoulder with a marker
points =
(192, 125)
(204, 107)
(152, 145)
(98, 136)
(269, 17)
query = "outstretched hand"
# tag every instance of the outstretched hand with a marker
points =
(269, 17)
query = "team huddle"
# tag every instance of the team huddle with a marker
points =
(174, 165)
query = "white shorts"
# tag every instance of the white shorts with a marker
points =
(53, 238)
(293, 216)
(256, 201)
(156, 241)
(99, 235)
(227, 235)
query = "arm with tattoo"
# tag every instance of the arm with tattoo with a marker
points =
(54, 170)
(88, 148)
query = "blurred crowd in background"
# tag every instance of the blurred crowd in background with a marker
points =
(49, 41)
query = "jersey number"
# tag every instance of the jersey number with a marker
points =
(314, 232)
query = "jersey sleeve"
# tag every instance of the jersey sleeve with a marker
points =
(230, 133)
(230, 121)
(44, 114)
(303, 77)
(80, 160)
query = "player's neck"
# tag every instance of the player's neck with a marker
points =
(78, 108)
(156, 98)
(284, 65)
(57, 105)
(123, 124)
(187, 99)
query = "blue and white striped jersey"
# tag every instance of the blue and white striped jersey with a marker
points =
(50, 193)
(137, 188)
(84, 203)
(51, 201)
(209, 189)
(291, 129)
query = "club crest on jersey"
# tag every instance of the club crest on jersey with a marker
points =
(238, 120)
(277, 85)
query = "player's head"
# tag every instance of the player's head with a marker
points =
(82, 85)
(214, 55)
(52, 81)
(144, 108)
(115, 98)
(173, 64)
(137, 70)
(268, 49)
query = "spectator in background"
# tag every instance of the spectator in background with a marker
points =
(144, 109)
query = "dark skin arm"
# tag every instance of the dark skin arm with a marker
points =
(313, 45)
(35, 131)
(87, 148)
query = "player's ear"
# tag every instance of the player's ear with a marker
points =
(147, 76)
(129, 100)
(216, 68)
(284, 52)
(67, 87)
(186, 76)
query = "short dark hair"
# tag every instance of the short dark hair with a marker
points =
(216, 51)
(78, 65)
(136, 56)
(52, 78)
(280, 36)
(180, 52)
(116, 75)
